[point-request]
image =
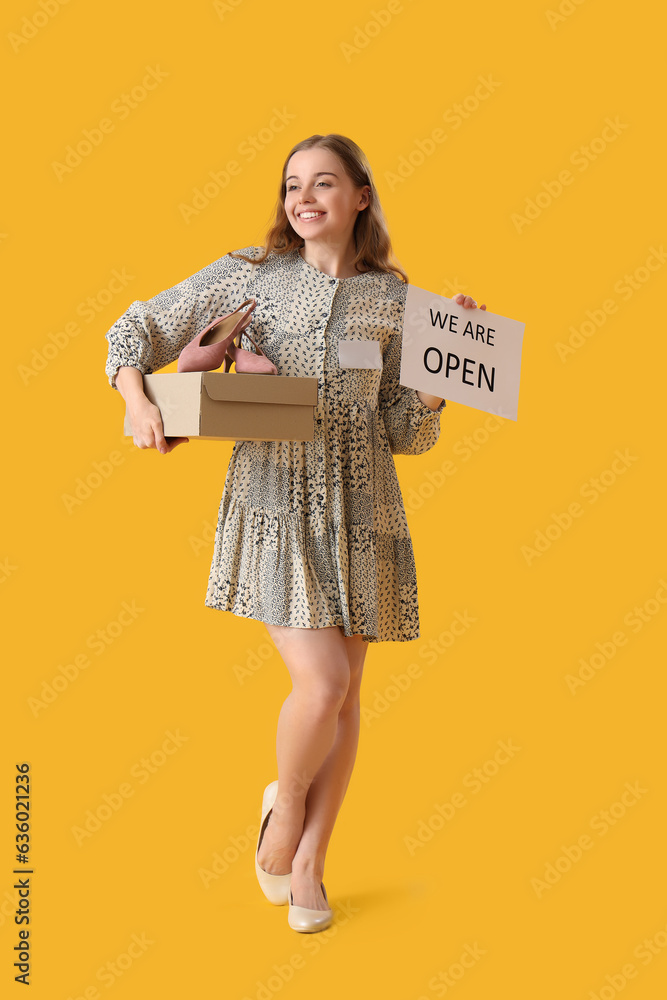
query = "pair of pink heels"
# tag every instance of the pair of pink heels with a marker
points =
(216, 344)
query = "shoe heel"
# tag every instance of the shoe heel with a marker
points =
(255, 363)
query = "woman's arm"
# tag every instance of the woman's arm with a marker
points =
(151, 334)
(130, 384)
(433, 402)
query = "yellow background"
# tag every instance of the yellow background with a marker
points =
(387, 75)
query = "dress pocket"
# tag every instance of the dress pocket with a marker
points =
(359, 354)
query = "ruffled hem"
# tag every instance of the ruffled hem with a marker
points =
(266, 566)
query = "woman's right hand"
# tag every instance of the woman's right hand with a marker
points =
(145, 417)
(147, 430)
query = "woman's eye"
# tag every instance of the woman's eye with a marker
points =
(292, 187)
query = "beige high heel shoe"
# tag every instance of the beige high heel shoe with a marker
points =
(300, 918)
(274, 887)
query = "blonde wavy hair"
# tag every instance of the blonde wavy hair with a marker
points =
(371, 235)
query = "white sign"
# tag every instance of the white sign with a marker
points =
(469, 356)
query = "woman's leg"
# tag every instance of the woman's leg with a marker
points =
(318, 731)
(327, 791)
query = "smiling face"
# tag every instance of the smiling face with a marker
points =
(321, 202)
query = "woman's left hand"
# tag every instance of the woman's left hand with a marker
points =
(466, 301)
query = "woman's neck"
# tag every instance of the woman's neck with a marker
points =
(337, 265)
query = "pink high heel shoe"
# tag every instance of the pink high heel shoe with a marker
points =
(209, 348)
(255, 363)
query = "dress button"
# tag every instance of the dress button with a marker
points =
(332, 281)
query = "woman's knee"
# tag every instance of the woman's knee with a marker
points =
(338, 688)
(325, 694)
(325, 666)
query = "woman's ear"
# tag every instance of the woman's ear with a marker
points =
(364, 197)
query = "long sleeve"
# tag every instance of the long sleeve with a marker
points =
(412, 427)
(152, 333)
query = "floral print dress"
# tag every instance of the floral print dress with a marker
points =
(309, 533)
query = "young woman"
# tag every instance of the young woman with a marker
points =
(312, 537)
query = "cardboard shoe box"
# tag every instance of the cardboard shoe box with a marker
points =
(233, 406)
